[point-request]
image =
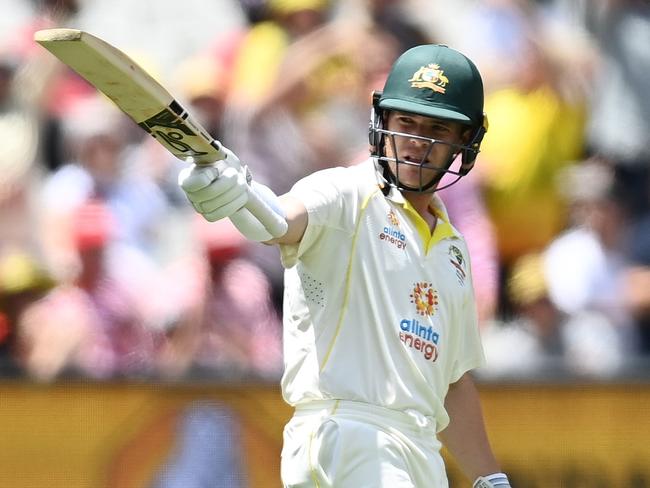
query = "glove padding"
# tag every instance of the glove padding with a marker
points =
(224, 189)
(496, 480)
(216, 191)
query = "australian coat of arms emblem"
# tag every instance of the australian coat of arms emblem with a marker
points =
(430, 76)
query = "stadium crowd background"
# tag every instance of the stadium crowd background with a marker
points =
(107, 273)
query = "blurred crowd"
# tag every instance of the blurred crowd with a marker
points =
(106, 272)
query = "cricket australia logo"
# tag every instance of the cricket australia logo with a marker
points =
(460, 264)
(425, 298)
(430, 76)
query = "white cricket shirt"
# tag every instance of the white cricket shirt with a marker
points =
(376, 309)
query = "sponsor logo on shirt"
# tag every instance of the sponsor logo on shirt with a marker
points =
(459, 263)
(414, 334)
(419, 337)
(391, 234)
(425, 298)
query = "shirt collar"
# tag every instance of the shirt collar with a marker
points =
(443, 229)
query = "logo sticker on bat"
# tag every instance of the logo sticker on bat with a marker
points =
(170, 128)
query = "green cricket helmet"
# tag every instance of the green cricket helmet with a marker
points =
(432, 81)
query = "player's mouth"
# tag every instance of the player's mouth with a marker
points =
(416, 163)
(413, 160)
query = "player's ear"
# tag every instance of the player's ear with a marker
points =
(466, 135)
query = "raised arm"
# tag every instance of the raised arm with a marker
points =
(297, 218)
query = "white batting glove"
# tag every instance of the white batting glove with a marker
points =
(496, 480)
(216, 191)
(224, 189)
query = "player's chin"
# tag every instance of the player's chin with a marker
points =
(415, 186)
(416, 178)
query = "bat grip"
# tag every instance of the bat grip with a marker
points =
(272, 222)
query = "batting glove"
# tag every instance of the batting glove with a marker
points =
(496, 480)
(224, 189)
(216, 191)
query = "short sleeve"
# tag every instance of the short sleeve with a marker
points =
(327, 199)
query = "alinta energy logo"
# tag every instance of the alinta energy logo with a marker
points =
(391, 233)
(413, 333)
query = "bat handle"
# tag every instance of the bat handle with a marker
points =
(272, 222)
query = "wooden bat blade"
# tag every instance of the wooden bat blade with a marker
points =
(134, 91)
(147, 102)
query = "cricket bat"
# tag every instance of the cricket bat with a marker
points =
(147, 102)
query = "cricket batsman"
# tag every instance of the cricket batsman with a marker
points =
(380, 325)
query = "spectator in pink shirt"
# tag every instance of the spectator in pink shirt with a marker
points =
(93, 325)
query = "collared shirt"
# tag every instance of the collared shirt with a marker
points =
(377, 309)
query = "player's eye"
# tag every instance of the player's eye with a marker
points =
(440, 128)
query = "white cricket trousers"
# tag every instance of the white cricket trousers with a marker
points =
(346, 444)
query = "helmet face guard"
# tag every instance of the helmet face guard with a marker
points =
(427, 184)
(432, 81)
